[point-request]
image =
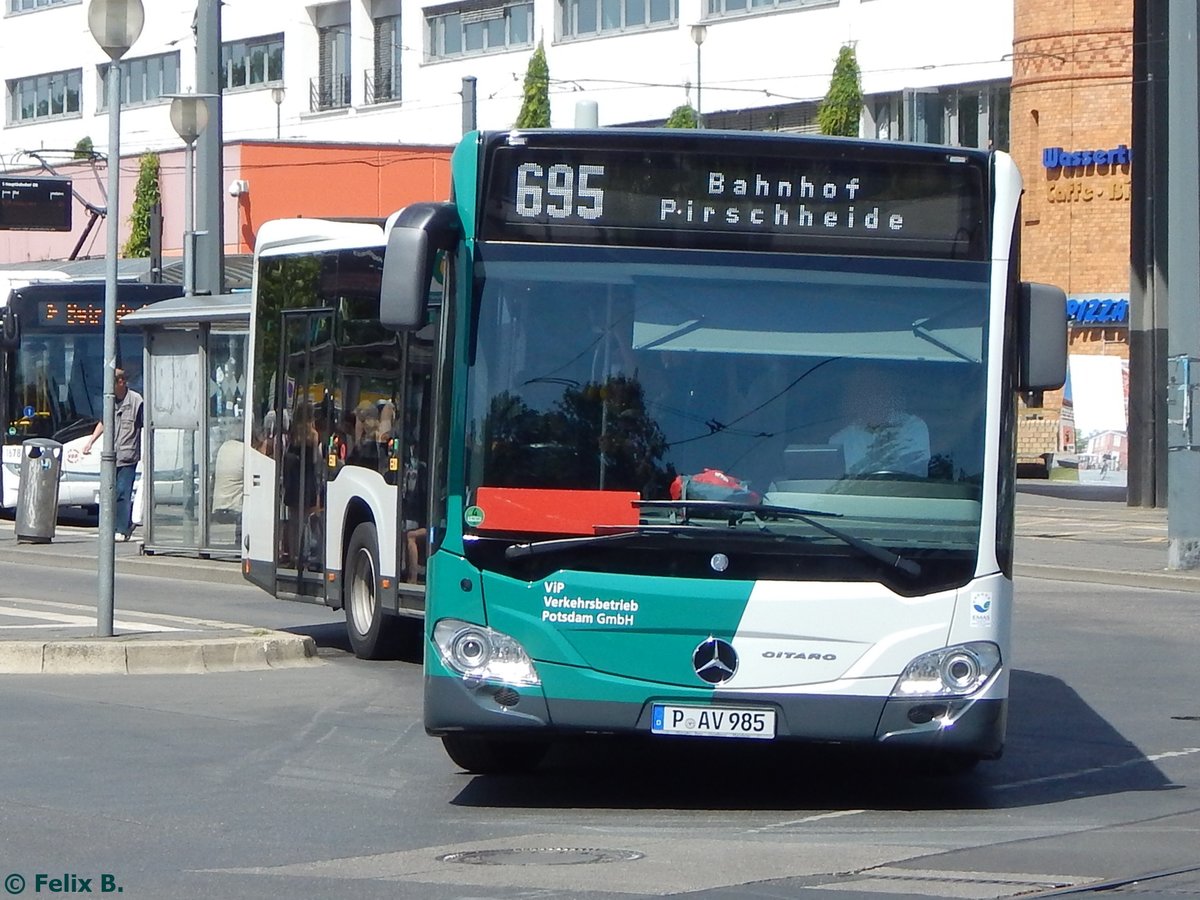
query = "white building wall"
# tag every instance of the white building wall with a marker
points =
(757, 60)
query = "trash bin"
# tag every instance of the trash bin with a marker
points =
(37, 495)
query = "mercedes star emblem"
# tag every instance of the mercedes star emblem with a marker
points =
(715, 661)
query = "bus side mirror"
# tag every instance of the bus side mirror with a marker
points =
(10, 330)
(418, 233)
(1041, 337)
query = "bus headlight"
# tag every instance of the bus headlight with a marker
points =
(950, 672)
(480, 653)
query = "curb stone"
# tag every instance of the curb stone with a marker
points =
(155, 656)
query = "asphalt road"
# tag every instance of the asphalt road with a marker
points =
(320, 782)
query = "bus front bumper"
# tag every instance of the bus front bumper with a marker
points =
(968, 726)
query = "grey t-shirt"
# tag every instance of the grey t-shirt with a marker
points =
(127, 436)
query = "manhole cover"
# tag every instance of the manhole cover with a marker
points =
(540, 856)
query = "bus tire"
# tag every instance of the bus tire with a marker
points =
(369, 628)
(494, 756)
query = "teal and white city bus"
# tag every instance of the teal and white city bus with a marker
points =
(721, 441)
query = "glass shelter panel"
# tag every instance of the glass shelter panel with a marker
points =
(172, 468)
(194, 460)
(226, 386)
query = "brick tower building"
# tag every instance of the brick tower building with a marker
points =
(1071, 138)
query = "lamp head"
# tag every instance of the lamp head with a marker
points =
(189, 115)
(116, 24)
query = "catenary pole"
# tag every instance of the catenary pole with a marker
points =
(210, 193)
(115, 25)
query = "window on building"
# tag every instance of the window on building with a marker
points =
(999, 97)
(54, 95)
(584, 18)
(470, 29)
(143, 80)
(26, 5)
(962, 116)
(332, 87)
(715, 8)
(385, 80)
(924, 115)
(253, 62)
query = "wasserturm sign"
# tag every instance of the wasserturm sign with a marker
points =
(1058, 158)
(1081, 176)
(35, 204)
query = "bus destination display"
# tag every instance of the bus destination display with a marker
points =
(930, 206)
(76, 314)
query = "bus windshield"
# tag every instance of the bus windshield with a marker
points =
(56, 387)
(856, 391)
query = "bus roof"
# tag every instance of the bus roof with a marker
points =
(18, 278)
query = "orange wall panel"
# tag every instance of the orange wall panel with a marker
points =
(289, 180)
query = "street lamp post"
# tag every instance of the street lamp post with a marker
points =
(189, 118)
(699, 33)
(277, 95)
(115, 25)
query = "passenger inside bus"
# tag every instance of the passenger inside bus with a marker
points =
(301, 539)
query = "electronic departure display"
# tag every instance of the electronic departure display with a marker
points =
(77, 314)
(798, 195)
(35, 204)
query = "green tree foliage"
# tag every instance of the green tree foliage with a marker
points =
(842, 106)
(145, 197)
(535, 108)
(682, 116)
(83, 149)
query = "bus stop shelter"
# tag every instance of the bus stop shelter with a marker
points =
(195, 403)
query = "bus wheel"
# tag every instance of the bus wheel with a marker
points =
(494, 756)
(368, 627)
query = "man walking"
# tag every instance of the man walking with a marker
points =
(127, 443)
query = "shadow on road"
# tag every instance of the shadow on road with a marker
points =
(1069, 490)
(405, 644)
(1059, 748)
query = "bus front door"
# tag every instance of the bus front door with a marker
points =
(304, 391)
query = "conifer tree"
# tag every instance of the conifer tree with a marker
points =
(145, 196)
(535, 108)
(840, 110)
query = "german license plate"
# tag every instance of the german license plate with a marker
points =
(713, 721)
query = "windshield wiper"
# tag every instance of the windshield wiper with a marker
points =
(557, 545)
(920, 330)
(807, 516)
